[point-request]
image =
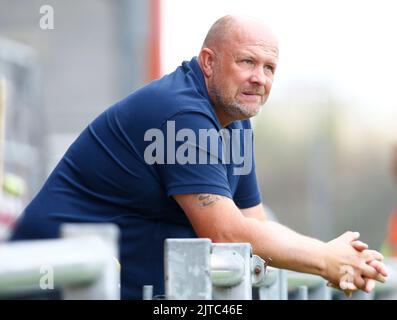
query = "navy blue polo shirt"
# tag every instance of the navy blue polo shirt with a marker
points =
(127, 164)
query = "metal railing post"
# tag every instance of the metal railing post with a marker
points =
(187, 269)
(321, 292)
(269, 289)
(107, 285)
(283, 284)
(303, 293)
(84, 264)
(147, 292)
(242, 287)
(316, 286)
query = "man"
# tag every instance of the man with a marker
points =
(145, 164)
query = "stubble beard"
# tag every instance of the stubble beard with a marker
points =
(230, 106)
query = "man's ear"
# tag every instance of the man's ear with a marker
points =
(206, 59)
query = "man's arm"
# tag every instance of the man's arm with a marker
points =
(257, 212)
(219, 219)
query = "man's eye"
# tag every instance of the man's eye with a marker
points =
(269, 68)
(248, 61)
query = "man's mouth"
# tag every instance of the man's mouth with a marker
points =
(250, 95)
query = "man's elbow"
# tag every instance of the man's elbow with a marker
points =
(226, 233)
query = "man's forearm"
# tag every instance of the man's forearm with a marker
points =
(219, 219)
(287, 248)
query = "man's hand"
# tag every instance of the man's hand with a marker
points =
(348, 287)
(208, 214)
(361, 267)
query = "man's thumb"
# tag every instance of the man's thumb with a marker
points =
(350, 236)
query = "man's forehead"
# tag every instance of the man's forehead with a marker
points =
(259, 50)
(254, 35)
(258, 47)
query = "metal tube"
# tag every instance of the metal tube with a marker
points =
(302, 293)
(147, 293)
(270, 277)
(296, 280)
(71, 261)
(227, 269)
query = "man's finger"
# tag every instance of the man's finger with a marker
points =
(347, 287)
(371, 273)
(359, 282)
(359, 245)
(370, 255)
(350, 236)
(348, 293)
(344, 285)
(351, 286)
(370, 285)
(379, 266)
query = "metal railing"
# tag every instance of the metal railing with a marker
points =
(83, 264)
(200, 269)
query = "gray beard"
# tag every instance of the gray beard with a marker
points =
(234, 109)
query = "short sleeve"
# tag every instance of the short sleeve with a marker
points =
(247, 193)
(192, 154)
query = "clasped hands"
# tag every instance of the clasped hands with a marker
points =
(351, 266)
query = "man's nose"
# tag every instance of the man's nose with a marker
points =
(258, 77)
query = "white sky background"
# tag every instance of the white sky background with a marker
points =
(349, 44)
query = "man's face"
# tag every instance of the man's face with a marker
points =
(243, 76)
